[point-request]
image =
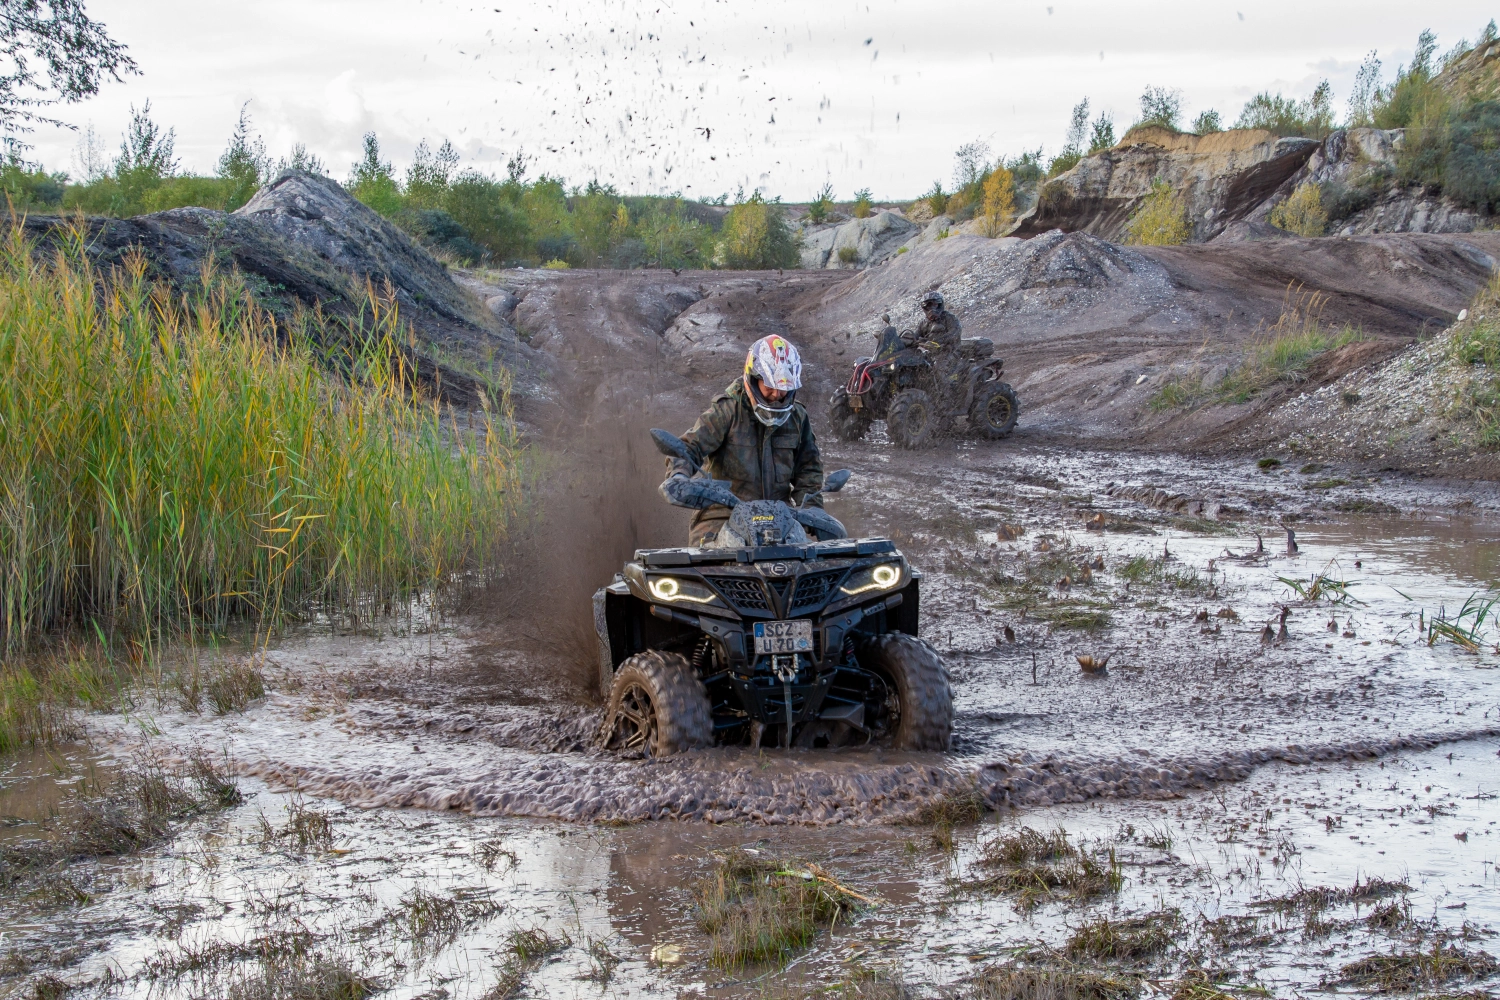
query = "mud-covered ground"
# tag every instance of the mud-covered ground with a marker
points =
(1227, 769)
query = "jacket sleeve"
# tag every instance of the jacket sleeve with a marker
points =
(951, 332)
(706, 436)
(807, 476)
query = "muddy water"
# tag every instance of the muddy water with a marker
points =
(423, 749)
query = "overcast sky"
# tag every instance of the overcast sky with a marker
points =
(703, 96)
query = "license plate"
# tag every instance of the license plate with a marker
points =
(856, 403)
(783, 637)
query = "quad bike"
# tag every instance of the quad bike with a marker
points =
(901, 386)
(781, 631)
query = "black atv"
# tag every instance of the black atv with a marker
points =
(781, 631)
(901, 386)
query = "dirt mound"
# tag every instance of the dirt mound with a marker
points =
(304, 242)
(1091, 331)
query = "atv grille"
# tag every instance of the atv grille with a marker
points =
(743, 592)
(813, 590)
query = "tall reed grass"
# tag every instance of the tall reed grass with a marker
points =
(169, 462)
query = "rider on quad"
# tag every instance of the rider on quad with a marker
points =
(940, 332)
(757, 436)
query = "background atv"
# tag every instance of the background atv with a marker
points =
(901, 386)
(781, 631)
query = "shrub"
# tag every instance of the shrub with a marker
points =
(1063, 162)
(1207, 123)
(862, 203)
(373, 181)
(1072, 150)
(169, 462)
(999, 202)
(756, 236)
(820, 206)
(1161, 219)
(1311, 118)
(848, 255)
(1302, 213)
(1161, 107)
(1476, 343)
(244, 165)
(1103, 134)
(936, 200)
(557, 265)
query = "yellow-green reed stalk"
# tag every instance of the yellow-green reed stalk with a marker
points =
(169, 462)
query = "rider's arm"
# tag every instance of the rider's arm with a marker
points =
(707, 435)
(807, 473)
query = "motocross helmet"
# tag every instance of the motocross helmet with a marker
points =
(774, 361)
(931, 300)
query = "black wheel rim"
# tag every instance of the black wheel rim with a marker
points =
(998, 410)
(635, 721)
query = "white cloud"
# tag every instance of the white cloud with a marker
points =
(623, 92)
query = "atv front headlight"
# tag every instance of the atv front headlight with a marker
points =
(882, 577)
(671, 588)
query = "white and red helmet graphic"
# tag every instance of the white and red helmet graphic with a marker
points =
(775, 362)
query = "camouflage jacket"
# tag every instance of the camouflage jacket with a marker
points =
(759, 462)
(946, 331)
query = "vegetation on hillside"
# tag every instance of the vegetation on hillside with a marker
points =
(463, 215)
(995, 191)
(1161, 219)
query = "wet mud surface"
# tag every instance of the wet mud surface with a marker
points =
(1256, 764)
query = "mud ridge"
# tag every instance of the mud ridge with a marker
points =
(1032, 782)
(686, 787)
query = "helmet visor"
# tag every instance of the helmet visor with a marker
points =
(768, 413)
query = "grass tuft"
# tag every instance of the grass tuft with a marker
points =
(1034, 867)
(1129, 939)
(756, 908)
(1013, 982)
(1405, 972)
(1284, 353)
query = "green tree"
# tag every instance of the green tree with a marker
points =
(53, 54)
(373, 181)
(1103, 136)
(1311, 118)
(1207, 123)
(147, 158)
(428, 176)
(244, 166)
(756, 236)
(1072, 151)
(479, 204)
(819, 207)
(1161, 107)
(862, 203)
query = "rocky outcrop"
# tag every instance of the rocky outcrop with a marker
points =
(315, 213)
(1221, 178)
(1356, 172)
(855, 243)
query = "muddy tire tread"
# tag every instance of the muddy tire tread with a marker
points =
(980, 406)
(896, 426)
(678, 697)
(924, 688)
(847, 424)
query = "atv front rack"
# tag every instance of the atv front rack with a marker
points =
(822, 550)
